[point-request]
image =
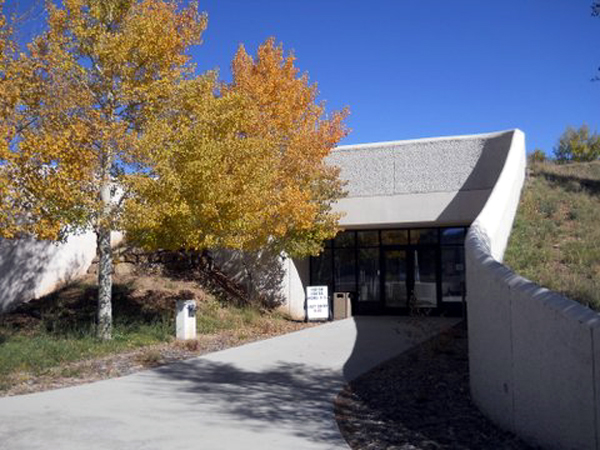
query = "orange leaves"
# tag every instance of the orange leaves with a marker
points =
(284, 110)
(243, 169)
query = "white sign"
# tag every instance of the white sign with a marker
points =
(317, 303)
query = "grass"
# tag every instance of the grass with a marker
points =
(37, 352)
(58, 329)
(213, 317)
(555, 240)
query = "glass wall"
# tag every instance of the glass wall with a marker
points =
(453, 264)
(424, 265)
(387, 270)
(396, 274)
(369, 284)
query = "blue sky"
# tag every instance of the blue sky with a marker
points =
(421, 68)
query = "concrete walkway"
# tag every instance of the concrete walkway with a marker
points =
(273, 394)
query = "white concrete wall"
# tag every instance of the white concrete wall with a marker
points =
(31, 269)
(439, 208)
(297, 277)
(534, 355)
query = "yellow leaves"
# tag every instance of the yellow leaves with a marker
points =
(108, 94)
(210, 183)
(73, 107)
(241, 170)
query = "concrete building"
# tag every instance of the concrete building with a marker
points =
(408, 209)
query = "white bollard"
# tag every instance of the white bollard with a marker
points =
(186, 320)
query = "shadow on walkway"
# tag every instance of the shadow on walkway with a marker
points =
(293, 392)
(291, 397)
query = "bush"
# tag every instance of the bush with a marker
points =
(577, 145)
(537, 156)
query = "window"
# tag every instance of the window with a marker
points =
(424, 236)
(368, 238)
(386, 268)
(344, 269)
(453, 264)
(394, 237)
(453, 236)
(321, 269)
(368, 275)
(345, 239)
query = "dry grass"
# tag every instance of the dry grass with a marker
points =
(556, 236)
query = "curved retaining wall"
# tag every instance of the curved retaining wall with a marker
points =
(534, 355)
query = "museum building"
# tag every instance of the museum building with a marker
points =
(408, 209)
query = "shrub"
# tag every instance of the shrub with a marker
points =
(577, 145)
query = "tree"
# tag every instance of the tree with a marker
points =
(81, 101)
(211, 184)
(286, 112)
(14, 75)
(243, 169)
(537, 156)
(577, 145)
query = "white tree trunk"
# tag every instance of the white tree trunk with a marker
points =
(104, 321)
(104, 330)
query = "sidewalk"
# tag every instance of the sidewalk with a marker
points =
(272, 394)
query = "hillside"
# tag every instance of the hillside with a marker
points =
(555, 240)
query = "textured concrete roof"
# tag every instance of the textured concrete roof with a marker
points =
(423, 165)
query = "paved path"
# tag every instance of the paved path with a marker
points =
(272, 394)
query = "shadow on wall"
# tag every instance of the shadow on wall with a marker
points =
(260, 273)
(30, 268)
(483, 176)
(22, 267)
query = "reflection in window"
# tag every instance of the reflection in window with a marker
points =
(394, 237)
(453, 274)
(425, 277)
(368, 238)
(453, 236)
(374, 265)
(320, 269)
(368, 275)
(344, 270)
(424, 236)
(396, 292)
(344, 239)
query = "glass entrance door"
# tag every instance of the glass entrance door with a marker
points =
(394, 271)
(424, 277)
(409, 277)
(395, 278)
